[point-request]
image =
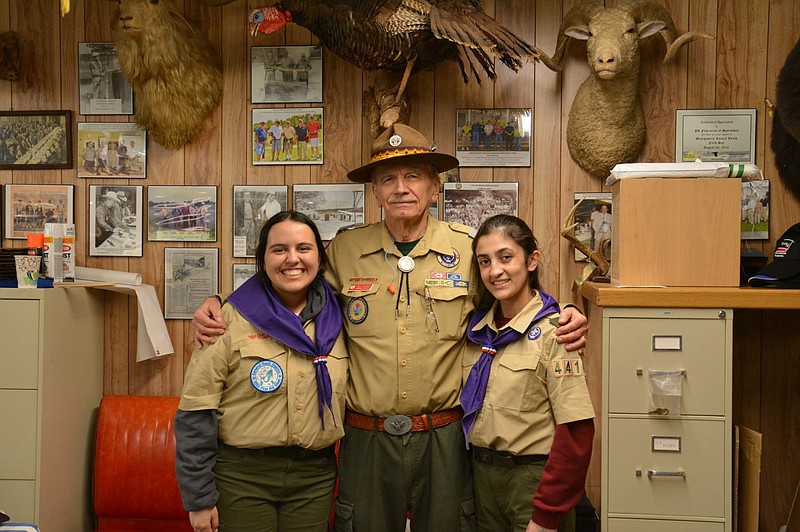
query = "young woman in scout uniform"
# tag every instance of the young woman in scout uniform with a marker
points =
(271, 391)
(525, 397)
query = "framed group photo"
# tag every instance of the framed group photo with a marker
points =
(293, 135)
(755, 209)
(177, 213)
(108, 149)
(332, 207)
(472, 203)
(103, 88)
(493, 137)
(190, 276)
(593, 216)
(286, 74)
(35, 140)
(252, 206)
(28, 207)
(115, 220)
(242, 271)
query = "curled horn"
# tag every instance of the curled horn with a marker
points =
(649, 11)
(578, 15)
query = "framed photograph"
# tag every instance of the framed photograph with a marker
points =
(115, 220)
(102, 87)
(241, 272)
(190, 276)
(287, 136)
(755, 209)
(472, 203)
(182, 213)
(29, 207)
(593, 217)
(493, 137)
(252, 206)
(332, 207)
(107, 149)
(36, 140)
(715, 135)
(286, 74)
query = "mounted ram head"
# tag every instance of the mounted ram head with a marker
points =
(606, 122)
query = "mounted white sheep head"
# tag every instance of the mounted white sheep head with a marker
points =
(606, 122)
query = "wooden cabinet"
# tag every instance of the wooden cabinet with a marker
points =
(51, 383)
(666, 468)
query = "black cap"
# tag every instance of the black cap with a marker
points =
(784, 270)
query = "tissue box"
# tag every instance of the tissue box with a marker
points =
(676, 231)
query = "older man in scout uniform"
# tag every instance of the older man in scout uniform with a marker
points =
(408, 285)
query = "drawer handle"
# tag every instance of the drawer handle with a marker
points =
(640, 372)
(653, 473)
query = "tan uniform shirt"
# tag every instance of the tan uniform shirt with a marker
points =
(403, 364)
(534, 385)
(218, 377)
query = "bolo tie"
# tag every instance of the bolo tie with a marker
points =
(406, 265)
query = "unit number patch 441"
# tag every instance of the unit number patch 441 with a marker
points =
(567, 367)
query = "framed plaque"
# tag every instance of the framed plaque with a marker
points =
(715, 135)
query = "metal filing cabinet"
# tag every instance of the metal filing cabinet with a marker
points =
(51, 383)
(667, 471)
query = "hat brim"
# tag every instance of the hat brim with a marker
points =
(780, 269)
(760, 280)
(441, 161)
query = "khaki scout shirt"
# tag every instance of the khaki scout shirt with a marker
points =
(534, 385)
(403, 364)
(218, 377)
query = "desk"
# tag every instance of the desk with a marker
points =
(766, 374)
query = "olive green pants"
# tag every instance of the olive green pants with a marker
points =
(384, 477)
(272, 490)
(504, 497)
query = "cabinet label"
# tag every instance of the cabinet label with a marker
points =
(666, 444)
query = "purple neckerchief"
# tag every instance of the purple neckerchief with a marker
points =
(259, 305)
(475, 386)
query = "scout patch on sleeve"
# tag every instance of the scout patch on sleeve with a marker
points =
(567, 367)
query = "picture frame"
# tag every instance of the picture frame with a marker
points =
(111, 149)
(286, 74)
(39, 140)
(242, 271)
(493, 136)
(715, 135)
(589, 224)
(102, 88)
(182, 213)
(252, 206)
(29, 207)
(116, 221)
(269, 150)
(755, 209)
(332, 207)
(190, 276)
(472, 203)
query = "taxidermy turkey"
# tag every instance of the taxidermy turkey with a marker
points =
(402, 36)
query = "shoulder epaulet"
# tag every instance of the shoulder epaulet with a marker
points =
(351, 227)
(461, 228)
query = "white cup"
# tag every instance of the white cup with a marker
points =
(27, 270)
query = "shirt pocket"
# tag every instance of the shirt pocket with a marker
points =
(274, 373)
(449, 307)
(468, 360)
(516, 382)
(364, 312)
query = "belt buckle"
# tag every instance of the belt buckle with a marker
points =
(397, 425)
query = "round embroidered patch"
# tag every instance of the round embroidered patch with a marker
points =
(450, 261)
(357, 310)
(534, 333)
(266, 376)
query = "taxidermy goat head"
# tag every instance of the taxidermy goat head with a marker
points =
(606, 122)
(172, 66)
(786, 123)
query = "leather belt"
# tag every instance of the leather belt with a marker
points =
(503, 458)
(400, 424)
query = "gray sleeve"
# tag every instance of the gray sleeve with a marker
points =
(195, 457)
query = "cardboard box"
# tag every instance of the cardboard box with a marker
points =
(676, 232)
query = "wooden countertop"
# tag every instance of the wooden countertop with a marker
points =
(606, 295)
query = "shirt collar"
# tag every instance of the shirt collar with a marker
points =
(521, 322)
(436, 238)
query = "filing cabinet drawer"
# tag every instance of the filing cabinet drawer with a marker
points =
(18, 419)
(682, 465)
(19, 329)
(696, 346)
(650, 525)
(18, 497)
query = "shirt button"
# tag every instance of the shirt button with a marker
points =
(404, 362)
(301, 374)
(298, 406)
(403, 330)
(404, 395)
(402, 299)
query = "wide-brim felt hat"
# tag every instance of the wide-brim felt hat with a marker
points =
(784, 270)
(400, 143)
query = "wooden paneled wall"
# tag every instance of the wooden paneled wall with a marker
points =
(736, 70)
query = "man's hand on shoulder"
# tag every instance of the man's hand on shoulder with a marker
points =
(208, 322)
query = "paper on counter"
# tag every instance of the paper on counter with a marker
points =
(152, 336)
(695, 169)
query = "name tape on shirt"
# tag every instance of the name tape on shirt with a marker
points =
(567, 367)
